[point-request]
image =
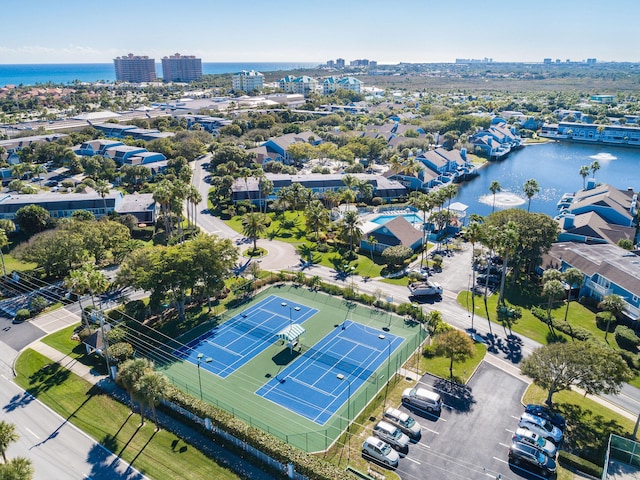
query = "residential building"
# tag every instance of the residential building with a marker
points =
(340, 62)
(116, 130)
(13, 145)
(277, 147)
(181, 68)
(248, 81)
(250, 189)
(497, 140)
(395, 232)
(592, 133)
(135, 69)
(617, 207)
(142, 206)
(331, 84)
(303, 85)
(608, 269)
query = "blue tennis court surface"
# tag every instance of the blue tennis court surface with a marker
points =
(310, 385)
(230, 345)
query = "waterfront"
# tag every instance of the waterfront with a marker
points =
(555, 167)
(31, 74)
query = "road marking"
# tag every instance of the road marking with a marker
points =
(31, 433)
(510, 431)
(3, 376)
(429, 430)
(501, 460)
(504, 445)
(412, 460)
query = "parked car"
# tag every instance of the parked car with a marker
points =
(522, 435)
(548, 414)
(541, 426)
(404, 422)
(492, 279)
(392, 435)
(522, 453)
(380, 451)
(422, 399)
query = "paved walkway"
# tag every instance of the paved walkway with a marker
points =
(221, 455)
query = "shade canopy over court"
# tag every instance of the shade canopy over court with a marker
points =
(291, 334)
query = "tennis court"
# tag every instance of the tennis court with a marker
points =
(227, 347)
(325, 376)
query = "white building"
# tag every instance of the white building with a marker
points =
(248, 81)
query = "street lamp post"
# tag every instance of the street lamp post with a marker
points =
(341, 377)
(386, 388)
(297, 309)
(207, 360)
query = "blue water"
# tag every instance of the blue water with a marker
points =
(93, 72)
(555, 167)
(409, 217)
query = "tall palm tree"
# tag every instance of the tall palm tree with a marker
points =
(494, 188)
(103, 188)
(253, 225)
(129, 374)
(594, 167)
(266, 189)
(151, 387)
(395, 163)
(614, 304)
(317, 217)
(507, 243)
(553, 290)
(98, 282)
(162, 195)
(572, 277)
(425, 203)
(20, 468)
(372, 243)
(530, 188)
(6, 226)
(584, 173)
(8, 435)
(350, 227)
(473, 235)
(194, 197)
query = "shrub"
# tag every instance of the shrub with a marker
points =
(540, 313)
(575, 332)
(429, 351)
(602, 319)
(626, 338)
(377, 201)
(22, 315)
(323, 248)
(632, 359)
(567, 459)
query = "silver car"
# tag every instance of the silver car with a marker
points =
(404, 422)
(522, 435)
(392, 435)
(540, 426)
(380, 451)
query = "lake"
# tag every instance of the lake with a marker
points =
(555, 167)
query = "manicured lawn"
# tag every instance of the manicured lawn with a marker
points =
(462, 371)
(12, 264)
(160, 455)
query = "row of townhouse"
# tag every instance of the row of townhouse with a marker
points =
(497, 140)
(120, 153)
(116, 130)
(435, 168)
(598, 214)
(249, 189)
(142, 206)
(305, 85)
(12, 146)
(592, 133)
(276, 149)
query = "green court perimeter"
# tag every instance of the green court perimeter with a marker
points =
(236, 393)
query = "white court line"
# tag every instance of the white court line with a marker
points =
(31, 433)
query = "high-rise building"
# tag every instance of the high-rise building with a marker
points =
(340, 62)
(181, 68)
(134, 68)
(248, 80)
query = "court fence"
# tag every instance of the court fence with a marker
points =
(322, 439)
(285, 469)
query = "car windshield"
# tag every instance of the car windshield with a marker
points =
(547, 426)
(540, 441)
(385, 449)
(541, 457)
(409, 422)
(397, 434)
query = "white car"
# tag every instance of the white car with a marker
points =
(392, 435)
(404, 422)
(540, 426)
(380, 451)
(522, 435)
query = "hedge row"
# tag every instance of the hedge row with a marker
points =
(568, 460)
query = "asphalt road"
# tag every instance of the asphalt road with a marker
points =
(470, 438)
(56, 448)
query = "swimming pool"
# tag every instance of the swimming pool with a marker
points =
(409, 217)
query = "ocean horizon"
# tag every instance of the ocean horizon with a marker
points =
(67, 73)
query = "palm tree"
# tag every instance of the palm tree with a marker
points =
(572, 277)
(20, 468)
(350, 228)
(530, 188)
(372, 243)
(615, 305)
(162, 195)
(253, 225)
(494, 188)
(98, 282)
(151, 387)
(317, 217)
(473, 235)
(103, 188)
(395, 163)
(194, 197)
(594, 167)
(266, 189)
(129, 374)
(584, 173)
(425, 203)
(507, 242)
(552, 289)
(8, 435)
(6, 226)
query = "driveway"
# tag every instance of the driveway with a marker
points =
(469, 439)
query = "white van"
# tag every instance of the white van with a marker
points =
(404, 422)
(392, 435)
(422, 399)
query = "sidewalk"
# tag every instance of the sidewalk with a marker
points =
(209, 447)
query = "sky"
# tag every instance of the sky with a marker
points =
(414, 31)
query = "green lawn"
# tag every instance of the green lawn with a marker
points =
(462, 371)
(160, 455)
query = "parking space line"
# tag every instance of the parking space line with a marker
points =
(31, 432)
(510, 431)
(412, 460)
(3, 376)
(429, 430)
(501, 460)
(504, 445)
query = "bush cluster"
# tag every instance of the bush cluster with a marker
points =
(626, 338)
(602, 318)
(569, 460)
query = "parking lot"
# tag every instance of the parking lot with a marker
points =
(470, 438)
